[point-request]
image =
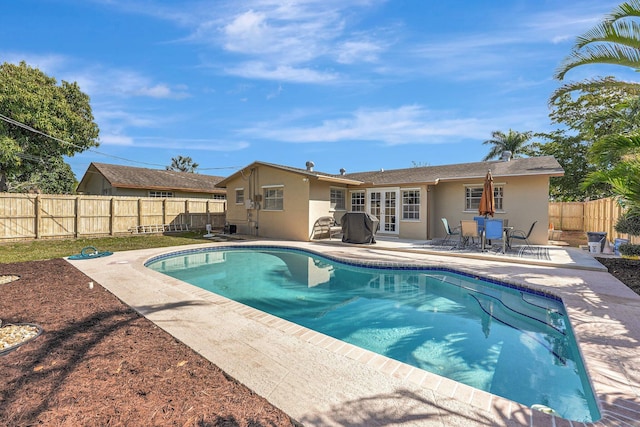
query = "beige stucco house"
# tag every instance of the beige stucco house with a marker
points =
(276, 201)
(115, 180)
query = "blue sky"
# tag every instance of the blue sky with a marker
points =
(354, 84)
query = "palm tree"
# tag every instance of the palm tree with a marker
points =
(182, 164)
(513, 141)
(616, 40)
(620, 156)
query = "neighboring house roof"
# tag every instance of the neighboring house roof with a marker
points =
(528, 166)
(320, 176)
(544, 165)
(153, 179)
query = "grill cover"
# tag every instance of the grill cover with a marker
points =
(359, 227)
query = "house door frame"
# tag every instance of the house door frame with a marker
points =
(384, 204)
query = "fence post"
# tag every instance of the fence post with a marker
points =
(139, 212)
(164, 211)
(187, 216)
(36, 225)
(76, 222)
(112, 214)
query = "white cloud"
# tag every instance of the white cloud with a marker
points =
(262, 71)
(403, 125)
(191, 143)
(49, 64)
(350, 52)
(115, 139)
(99, 80)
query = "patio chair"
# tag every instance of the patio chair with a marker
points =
(325, 226)
(494, 230)
(469, 230)
(448, 231)
(480, 220)
(522, 236)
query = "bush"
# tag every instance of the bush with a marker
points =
(628, 224)
(629, 249)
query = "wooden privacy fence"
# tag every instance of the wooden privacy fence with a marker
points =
(24, 216)
(595, 215)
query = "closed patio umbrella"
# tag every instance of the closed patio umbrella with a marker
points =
(487, 201)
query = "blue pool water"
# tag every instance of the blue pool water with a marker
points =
(506, 340)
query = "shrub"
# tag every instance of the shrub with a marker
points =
(628, 224)
(629, 249)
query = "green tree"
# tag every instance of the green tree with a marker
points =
(596, 110)
(571, 151)
(513, 141)
(616, 40)
(40, 122)
(182, 164)
(622, 153)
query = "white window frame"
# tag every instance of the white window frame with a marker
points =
(472, 203)
(278, 197)
(362, 198)
(416, 205)
(239, 201)
(161, 194)
(386, 212)
(333, 200)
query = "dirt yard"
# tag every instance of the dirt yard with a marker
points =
(98, 363)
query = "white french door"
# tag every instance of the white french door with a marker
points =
(383, 204)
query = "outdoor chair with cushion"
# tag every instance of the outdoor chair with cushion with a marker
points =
(522, 236)
(448, 231)
(494, 230)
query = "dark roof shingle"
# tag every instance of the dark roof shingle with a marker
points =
(157, 179)
(543, 165)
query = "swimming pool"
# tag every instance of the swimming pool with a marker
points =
(507, 340)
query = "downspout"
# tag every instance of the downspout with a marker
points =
(430, 210)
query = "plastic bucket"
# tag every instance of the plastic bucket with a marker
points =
(597, 236)
(594, 247)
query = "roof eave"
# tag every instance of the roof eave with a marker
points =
(338, 180)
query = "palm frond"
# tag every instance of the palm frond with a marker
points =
(627, 9)
(592, 85)
(622, 33)
(600, 54)
(612, 148)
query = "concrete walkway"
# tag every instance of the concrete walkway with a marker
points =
(321, 381)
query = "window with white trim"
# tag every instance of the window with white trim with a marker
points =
(239, 196)
(410, 204)
(273, 198)
(358, 201)
(160, 193)
(219, 197)
(337, 199)
(474, 194)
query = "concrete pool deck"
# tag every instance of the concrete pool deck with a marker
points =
(321, 381)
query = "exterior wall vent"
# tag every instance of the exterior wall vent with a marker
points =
(343, 171)
(506, 156)
(310, 165)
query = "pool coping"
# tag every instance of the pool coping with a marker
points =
(319, 380)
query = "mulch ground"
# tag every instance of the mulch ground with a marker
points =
(99, 363)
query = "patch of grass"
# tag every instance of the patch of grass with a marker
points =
(36, 250)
